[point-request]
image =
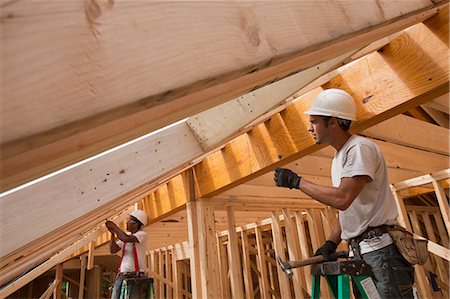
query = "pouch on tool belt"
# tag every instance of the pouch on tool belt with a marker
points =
(412, 248)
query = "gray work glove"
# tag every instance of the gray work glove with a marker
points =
(286, 178)
(327, 250)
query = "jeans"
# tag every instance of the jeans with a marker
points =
(393, 275)
(134, 291)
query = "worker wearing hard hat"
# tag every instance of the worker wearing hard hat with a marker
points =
(133, 245)
(360, 191)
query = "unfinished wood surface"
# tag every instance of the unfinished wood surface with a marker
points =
(420, 135)
(234, 257)
(262, 264)
(246, 266)
(193, 228)
(274, 142)
(293, 247)
(443, 204)
(209, 264)
(278, 244)
(70, 109)
(89, 186)
(220, 122)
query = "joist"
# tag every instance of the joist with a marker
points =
(49, 134)
(281, 139)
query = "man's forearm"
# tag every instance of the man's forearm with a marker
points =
(113, 247)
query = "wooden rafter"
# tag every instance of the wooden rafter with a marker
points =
(80, 111)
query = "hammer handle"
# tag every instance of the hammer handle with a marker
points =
(315, 260)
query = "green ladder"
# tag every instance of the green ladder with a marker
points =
(339, 274)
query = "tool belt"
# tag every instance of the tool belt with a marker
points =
(132, 274)
(411, 247)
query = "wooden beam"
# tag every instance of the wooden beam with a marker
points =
(209, 264)
(58, 130)
(262, 264)
(234, 257)
(90, 186)
(283, 138)
(220, 123)
(410, 132)
(246, 267)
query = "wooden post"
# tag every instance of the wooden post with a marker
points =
(443, 204)
(263, 280)
(223, 269)
(59, 278)
(94, 282)
(246, 267)
(285, 288)
(191, 211)
(82, 276)
(209, 264)
(237, 289)
(91, 256)
(304, 248)
(294, 253)
(402, 214)
(422, 281)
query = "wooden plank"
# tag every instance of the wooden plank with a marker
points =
(294, 252)
(59, 278)
(209, 265)
(303, 239)
(262, 264)
(90, 262)
(420, 135)
(432, 237)
(443, 204)
(236, 279)
(421, 277)
(246, 268)
(441, 104)
(193, 226)
(49, 291)
(83, 263)
(269, 47)
(223, 269)
(278, 244)
(92, 185)
(273, 143)
(219, 123)
(439, 117)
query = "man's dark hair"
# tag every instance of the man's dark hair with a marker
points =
(343, 123)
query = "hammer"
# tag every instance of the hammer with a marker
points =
(287, 266)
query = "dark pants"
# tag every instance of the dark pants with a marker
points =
(393, 275)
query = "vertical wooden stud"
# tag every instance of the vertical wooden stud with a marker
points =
(285, 288)
(304, 249)
(209, 263)
(264, 281)
(443, 204)
(248, 283)
(83, 263)
(294, 253)
(237, 289)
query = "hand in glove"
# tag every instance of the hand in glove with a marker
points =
(327, 250)
(286, 178)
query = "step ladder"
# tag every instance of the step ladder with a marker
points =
(339, 274)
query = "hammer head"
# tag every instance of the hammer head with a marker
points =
(285, 267)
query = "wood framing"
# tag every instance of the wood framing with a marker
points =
(262, 46)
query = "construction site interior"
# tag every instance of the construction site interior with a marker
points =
(184, 110)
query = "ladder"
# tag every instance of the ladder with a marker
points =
(339, 274)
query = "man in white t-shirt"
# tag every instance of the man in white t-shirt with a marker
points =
(133, 245)
(360, 192)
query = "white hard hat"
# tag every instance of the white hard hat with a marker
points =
(140, 215)
(334, 102)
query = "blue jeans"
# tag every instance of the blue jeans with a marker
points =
(134, 291)
(393, 275)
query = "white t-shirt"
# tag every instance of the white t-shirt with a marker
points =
(375, 204)
(128, 256)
